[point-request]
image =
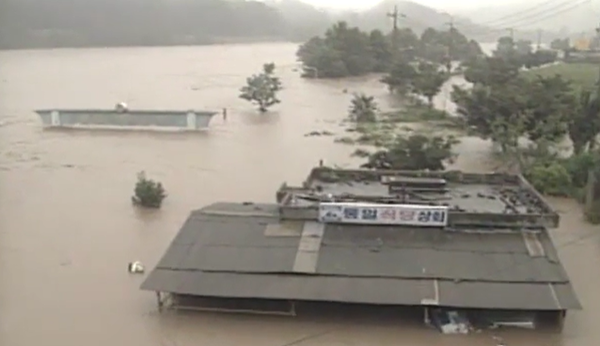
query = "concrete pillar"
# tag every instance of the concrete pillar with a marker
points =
(589, 191)
(561, 320)
(191, 121)
(55, 118)
(553, 321)
(159, 300)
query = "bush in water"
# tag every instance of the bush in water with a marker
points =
(148, 193)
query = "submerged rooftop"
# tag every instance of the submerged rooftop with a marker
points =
(232, 250)
(491, 199)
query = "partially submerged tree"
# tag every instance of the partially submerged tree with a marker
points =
(551, 103)
(440, 46)
(416, 152)
(584, 122)
(401, 77)
(490, 71)
(560, 44)
(552, 179)
(429, 81)
(347, 51)
(261, 89)
(148, 193)
(506, 48)
(497, 112)
(381, 49)
(521, 53)
(363, 108)
(505, 107)
(540, 57)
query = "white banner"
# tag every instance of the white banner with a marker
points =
(384, 214)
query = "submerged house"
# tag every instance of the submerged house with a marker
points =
(431, 240)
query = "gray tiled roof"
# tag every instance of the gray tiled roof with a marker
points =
(245, 251)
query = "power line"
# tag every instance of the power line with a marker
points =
(543, 15)
(533, 19)
(510, 26)
(525, 12)
(517, 23)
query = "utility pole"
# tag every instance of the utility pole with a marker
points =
(450, 43)
(511, 32)
(451, 22)
(395, 17)
(598, 38)
(539, 39)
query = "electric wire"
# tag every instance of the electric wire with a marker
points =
(534, 19)
(525, 11)
(525, 15)
(525, 21)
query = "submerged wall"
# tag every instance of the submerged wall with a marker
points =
(191, 120)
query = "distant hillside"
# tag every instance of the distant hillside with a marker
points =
(303, 20)
(84, 23)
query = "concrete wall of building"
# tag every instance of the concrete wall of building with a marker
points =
(171, 119)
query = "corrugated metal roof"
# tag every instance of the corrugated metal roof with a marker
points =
(243, 241)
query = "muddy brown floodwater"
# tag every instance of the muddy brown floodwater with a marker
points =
(68, 230)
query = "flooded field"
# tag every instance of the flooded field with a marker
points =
(68, 229)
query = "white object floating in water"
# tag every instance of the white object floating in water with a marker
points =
(121, 107)
(135, 267)
(499, 341)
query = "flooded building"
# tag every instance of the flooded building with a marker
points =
(474, 242)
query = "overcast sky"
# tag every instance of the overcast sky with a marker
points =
(454, 4)
(438, 4)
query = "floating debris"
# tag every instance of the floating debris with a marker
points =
(318, 133)
(499, 341)
(448, 321)
(135, 267)
(121, 107)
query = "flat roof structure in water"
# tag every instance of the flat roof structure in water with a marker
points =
(500, 200)
(229, 250)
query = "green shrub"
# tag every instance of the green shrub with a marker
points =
(361, 153)
(552, 179)
(433, 114)
(593, 214)
(578, 167)
(148, 193)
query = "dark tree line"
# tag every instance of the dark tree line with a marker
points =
(521, 53)
(56, 23)
(347, 51)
